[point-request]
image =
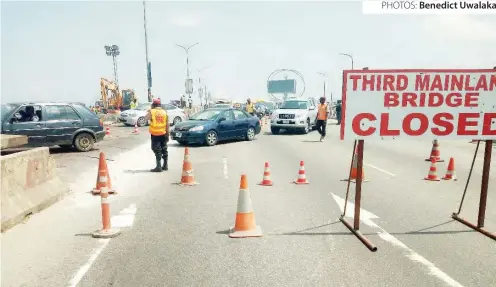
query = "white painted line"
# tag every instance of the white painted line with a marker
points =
(125, 218)
(380, 169)
(94, 255)
(224, 169)
(366, 218)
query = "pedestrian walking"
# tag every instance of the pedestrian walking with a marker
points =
(322, 115)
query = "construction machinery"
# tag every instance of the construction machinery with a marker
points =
(112, 99)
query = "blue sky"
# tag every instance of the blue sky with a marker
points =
(55, 50)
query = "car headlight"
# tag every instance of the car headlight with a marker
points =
(196, 129)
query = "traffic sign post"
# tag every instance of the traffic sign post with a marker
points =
(391, 104)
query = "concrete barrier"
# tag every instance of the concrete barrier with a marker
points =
(29, 185)
(9, 141)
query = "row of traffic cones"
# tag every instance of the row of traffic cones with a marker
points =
(436, 157)
(301, 179)
(450, 173)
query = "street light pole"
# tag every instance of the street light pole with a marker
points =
(350, 56)
(186, 49)
(148, 67)
(325, 76)
(114, 52)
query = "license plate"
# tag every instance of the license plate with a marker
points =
(285, 122)
(178, 135)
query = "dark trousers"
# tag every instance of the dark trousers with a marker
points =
(338, 117)
(321, 127)
(159, 147)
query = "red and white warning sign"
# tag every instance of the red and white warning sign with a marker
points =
(456, 104)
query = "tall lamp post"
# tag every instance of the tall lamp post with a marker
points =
(325, 76)
(189, 90)
(114, 52)
(201, 88)
(148, 64)
(349, 56)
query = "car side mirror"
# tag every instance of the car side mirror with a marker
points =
(221, 119)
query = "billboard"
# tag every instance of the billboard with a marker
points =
(388, 104)
(281, 87)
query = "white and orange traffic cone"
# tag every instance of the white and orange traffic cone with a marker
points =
(245, 225)
(450, 173)
(302, 179)
(432, 176)
(103, 177)
(107, 231)
(354, 170)
(187, 176)
(107, 130)
(266, 181)
(435, 152)
(135, 130)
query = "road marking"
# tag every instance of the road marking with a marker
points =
(380, 169)
(366, 217)
(94, 255)
(125, 218)
(224, 169)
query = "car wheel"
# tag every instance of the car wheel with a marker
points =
(141, 122)
(84, 142)
(211, 138)
(177, 120)
(308, 127)
(250, 134)
(275, 131)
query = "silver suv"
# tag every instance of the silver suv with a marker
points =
(294, 114)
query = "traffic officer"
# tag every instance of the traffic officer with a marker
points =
(133, 104)
(159, 133)
(322, 115)
(249, 107)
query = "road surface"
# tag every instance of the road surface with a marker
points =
(177, 236)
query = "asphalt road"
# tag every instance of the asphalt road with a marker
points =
(177, 236)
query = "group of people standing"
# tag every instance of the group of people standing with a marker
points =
(184, 103)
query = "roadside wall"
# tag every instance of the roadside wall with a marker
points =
(29, 184)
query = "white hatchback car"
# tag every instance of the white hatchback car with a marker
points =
(137, 116)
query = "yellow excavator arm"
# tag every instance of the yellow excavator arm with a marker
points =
(115, 98)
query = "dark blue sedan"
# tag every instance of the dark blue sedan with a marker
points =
(214, 125)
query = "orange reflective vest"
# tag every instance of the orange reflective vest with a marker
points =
(322, 112)
(158, 122)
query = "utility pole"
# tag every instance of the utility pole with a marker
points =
(325, 76)
(114, 52)
(189, 83)
(148, 64)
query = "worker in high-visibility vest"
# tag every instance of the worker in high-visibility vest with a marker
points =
(133, 104)
(322, 115)
(249, 107)
(159, 133)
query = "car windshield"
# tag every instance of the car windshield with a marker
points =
(143, 107)
(294, 105)
(7, 109)
(207, 115)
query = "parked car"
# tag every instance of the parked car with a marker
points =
(216, 124)
(225, 106)
(137, 116)
(294, 114)
(49, 124)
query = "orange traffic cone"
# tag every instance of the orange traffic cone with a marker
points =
(432, 176)
(103, 177)
(302, 179)
(354, 170)
(135, 131)
(187, 177)
(435, 153)
(107, 231)
(266, 176)
(450, 173)
(107, 130)
(245, 225)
